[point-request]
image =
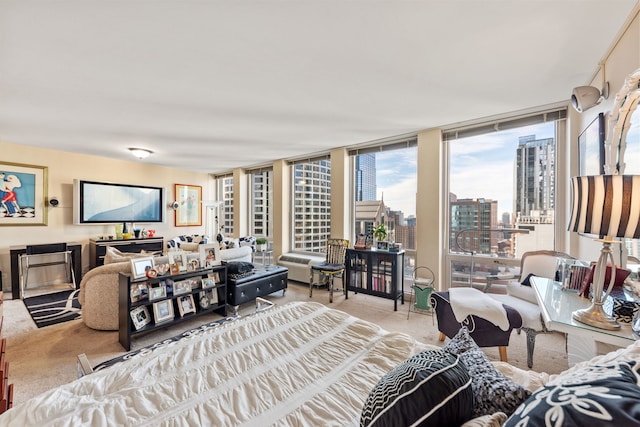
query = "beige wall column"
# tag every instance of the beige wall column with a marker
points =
(341, 185)
(430, 203)
(240, 203)
(281, 205)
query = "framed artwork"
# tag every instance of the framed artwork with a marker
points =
(139, 267)
(157, 292)
(209, 255)
(178, 258)
(591, 155)
(186, 305)
(182, 287)
(163, 310)
(23, 194)
(189, 211)
(208, 283)
(140, 317)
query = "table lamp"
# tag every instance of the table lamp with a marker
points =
(607, 206)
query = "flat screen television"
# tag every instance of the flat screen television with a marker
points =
(105, 203)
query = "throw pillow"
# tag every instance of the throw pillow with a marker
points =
(113, 255)
(527, 280)
(430, 388)
(493, 420)
(239, 267)
(599, 395)
(492, 390)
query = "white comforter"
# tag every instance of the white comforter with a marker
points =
(300, 364)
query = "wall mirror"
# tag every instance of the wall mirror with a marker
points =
(623, 142)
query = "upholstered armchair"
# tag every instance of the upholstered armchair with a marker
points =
(521, 296)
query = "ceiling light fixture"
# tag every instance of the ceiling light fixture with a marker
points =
(140, 153)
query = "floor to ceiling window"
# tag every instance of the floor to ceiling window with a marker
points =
(311, 205)
(225, 191)
(385, 180)
(501, 201)
(261, 202)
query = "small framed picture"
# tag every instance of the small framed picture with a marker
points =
(186, 305)
(182, 287)
(174, 268)
(209, 255)
(209, 282)
(139, 267)
(163, 310)
(382, 246)
(193, 265)
(139, 291)
(157, 292)
(140, 317)
(178, 258)
(212, 295)
(203, 300)
(215, 276)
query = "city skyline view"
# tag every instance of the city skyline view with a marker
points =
(396, 179)
(483, 166)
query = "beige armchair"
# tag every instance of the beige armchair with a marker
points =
(522, 298)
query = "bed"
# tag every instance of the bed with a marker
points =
(296, 364)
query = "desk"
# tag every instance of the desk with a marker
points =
(583, 341)
(16, 251)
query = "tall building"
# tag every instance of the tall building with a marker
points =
(535, 177)
(365, 177)
(471, 220)
(312, 205)
(261, 189)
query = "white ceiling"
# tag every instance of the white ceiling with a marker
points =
(214, 85)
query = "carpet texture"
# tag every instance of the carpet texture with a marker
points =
(51, 309)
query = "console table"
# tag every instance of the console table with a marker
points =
(98, 247)
(16, 251)
(583, 341)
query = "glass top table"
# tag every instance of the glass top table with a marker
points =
(557, 306)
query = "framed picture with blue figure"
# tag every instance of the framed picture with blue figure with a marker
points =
(23, 194)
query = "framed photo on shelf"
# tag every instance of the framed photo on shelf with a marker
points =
(215, 276)
(139, 267)
(24, 194)
(182, 287)
(203, 300)
(163, 311)
(139, 291)
(178, 258)
(189, 198)
(186, 305)
(591, 156)
(157, 292)
(212, 294)
(209, 282)
(193, 265)
(209, 255)
(140, 317)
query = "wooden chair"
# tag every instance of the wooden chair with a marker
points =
(332, 267)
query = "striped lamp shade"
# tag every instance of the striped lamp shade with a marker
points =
(606, 205)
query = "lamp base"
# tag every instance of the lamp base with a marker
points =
(596, 317)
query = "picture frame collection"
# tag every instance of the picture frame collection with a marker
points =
(162, 299)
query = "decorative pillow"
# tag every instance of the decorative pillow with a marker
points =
(621, 275)
(431, 388)
(239, 267)
(492, 391)
(527, 280)
(600, 395)
(493, 420)
(113, 255)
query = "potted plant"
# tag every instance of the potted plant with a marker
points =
(380, 232)
(261, 244)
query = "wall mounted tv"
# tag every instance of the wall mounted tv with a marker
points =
(104, 203)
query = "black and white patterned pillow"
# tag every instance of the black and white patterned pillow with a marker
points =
(492, 390)
(431, 388)
(598, 395)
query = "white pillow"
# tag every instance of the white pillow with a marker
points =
(113, 255)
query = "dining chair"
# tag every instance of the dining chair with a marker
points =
(333, 266)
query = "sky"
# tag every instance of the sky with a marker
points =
(481, 167)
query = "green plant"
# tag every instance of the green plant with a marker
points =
(380, 232)
(261, 241)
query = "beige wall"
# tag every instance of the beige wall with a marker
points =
(63, 168)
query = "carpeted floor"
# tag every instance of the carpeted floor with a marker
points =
(54, 308)
(46, 357)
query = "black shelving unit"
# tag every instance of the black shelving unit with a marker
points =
(127, 329)
(375, 272)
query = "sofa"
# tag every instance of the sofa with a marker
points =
(98, 294)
